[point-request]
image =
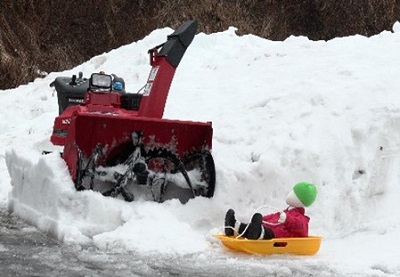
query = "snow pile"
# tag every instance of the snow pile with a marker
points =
(282, 112)
(45, 195)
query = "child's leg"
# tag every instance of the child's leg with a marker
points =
(256, 230)
(253, 230)
(231, 224)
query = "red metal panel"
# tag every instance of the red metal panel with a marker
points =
(113, 132)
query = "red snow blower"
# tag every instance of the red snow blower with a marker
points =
(118, 143)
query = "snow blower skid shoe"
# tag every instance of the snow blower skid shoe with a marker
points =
(118, 142)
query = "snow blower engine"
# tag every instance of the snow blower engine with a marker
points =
(118, 143)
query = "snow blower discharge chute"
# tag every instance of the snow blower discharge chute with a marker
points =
(118, 143)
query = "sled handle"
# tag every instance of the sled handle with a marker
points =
(279, 244)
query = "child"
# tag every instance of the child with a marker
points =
(292, 222)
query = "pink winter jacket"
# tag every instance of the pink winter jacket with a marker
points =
(295, 225)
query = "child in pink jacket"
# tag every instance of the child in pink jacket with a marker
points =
(291, 222)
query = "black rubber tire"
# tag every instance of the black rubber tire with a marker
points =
(204, 161)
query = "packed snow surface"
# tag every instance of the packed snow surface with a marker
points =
(327, 112)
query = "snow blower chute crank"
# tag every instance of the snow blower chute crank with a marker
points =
(118, 143)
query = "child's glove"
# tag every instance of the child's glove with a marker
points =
(282, 217)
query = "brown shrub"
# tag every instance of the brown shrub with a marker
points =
(58, 34)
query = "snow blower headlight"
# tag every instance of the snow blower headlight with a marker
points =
(102, 81)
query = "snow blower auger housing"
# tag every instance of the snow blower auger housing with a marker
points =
(118, 143)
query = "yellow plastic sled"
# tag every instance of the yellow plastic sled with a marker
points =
(297, 246)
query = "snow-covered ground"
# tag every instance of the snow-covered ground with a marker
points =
(282, 112)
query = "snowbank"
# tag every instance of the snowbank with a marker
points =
(282, 112)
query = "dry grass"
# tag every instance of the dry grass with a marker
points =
(58, 34)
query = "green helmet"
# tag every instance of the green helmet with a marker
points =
(305, 192)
